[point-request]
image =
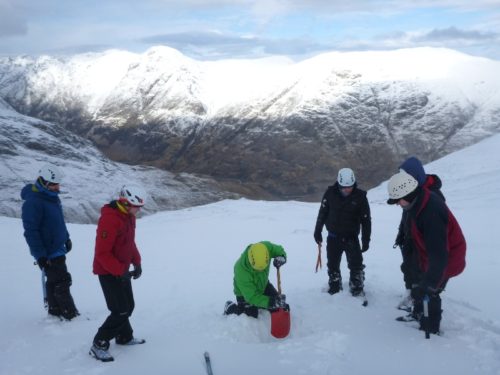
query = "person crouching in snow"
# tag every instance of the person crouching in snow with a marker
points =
(251, 280)
(438, 240)
(115, 251)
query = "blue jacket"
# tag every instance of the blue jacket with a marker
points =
(43, 222)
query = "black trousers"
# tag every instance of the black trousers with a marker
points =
(251, 310)
(57, 285)
(120, 301)
(335, 246)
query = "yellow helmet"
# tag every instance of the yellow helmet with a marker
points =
(258, 256)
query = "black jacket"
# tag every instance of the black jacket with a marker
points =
(403, 239)
(344, 216)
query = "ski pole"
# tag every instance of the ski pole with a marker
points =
(318, 262)
(426, 316)
(44, 290)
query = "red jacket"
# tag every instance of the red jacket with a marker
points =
(438, 238)
(115, 248)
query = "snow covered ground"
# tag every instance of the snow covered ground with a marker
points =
(188, 256)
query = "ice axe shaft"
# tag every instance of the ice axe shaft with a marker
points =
(318, 261)
(279, 279)
(280, 318)
(426, 316)
(44, 290)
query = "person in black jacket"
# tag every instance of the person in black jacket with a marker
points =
(344, 210)
(409, 265)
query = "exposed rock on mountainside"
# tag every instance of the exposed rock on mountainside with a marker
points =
(268, 129)
(90, 178)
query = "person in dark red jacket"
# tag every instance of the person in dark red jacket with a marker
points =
(438, 239)
(115, 252)
(409, 266)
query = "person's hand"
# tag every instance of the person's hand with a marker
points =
(318, 237)
(69, 245)
(137, 272)
(279, 261)
(42, 262)
(419, 291)
(399, 240)
(277, 301)
(125, 276)
(365, 246)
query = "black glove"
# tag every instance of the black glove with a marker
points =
(69, 245)
(418, 292)
(365, 246)
(279, 261)
(42, 262)
(318, 237)
(125, 276)
(277, 301)
(137, 272)
(399, 240)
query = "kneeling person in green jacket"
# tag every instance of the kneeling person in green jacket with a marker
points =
(251, 280)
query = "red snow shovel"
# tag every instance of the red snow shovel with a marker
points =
(280, 318)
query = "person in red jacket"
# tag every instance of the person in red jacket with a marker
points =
(438, 240)
(115, 252)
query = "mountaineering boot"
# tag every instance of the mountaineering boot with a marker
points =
(132, 341)
(356, 282)
(99, 350)
(230, 308)
(335, 282)
(406, 303)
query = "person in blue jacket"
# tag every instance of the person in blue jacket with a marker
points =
(48, 238)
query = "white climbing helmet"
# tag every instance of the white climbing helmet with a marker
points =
(400, 185)
(133, 195)
(346, 177)
(50, 174)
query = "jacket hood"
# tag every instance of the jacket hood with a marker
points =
(414, 167)
(433, 182)
(28, 190)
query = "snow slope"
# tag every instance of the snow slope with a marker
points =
(188, 257)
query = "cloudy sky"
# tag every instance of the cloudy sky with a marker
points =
(215, 29)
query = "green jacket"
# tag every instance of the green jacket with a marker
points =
(249, 283)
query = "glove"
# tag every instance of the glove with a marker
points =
(69, 245)
(418, 292)
(399, 240)
(365, 246)
(125, 276)
(318, 237)
(42, 262)
(277, 301)
(137, 272)
(279, 261)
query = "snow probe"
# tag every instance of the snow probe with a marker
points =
(208, 363)
(280, 318)
(318, 262)
(426, 316)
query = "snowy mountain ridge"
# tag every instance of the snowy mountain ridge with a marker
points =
(280, 128)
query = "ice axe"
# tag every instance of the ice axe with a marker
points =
(318, 262)
(280, 318)
(44, 289)
(426, 316)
